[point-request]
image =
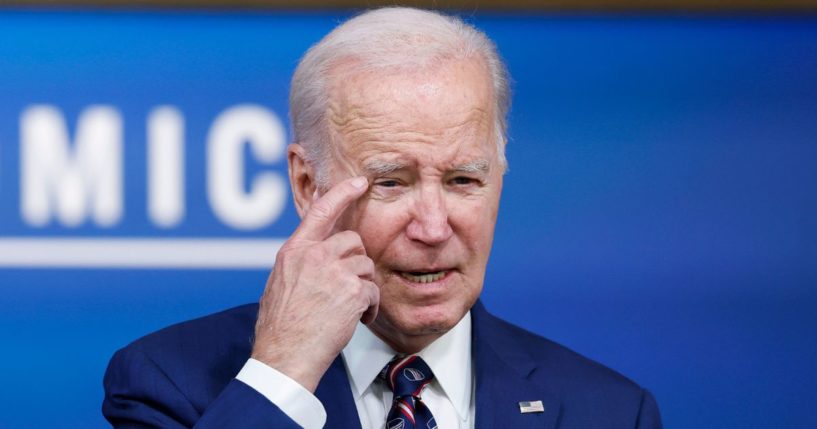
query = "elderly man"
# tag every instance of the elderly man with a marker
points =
(370, 317)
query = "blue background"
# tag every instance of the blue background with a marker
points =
(660, 213)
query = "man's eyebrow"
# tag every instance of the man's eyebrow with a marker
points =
(382, 167)
(476, 166)
(386, 167)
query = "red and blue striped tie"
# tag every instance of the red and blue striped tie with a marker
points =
(407, 376)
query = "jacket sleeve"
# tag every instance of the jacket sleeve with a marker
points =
(138, 394)
(648, 415)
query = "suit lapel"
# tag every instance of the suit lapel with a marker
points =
(503, 375)
(335, 393)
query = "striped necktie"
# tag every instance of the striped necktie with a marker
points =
(406, 377)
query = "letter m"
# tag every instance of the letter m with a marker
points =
(71, 180)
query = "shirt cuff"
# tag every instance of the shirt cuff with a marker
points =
(287, 394)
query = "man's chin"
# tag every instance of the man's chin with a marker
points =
(416, 328)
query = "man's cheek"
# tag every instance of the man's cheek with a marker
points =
(470, 217)
(383, 220)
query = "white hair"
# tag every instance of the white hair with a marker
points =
(392, 38)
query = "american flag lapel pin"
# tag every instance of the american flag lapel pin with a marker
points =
(531, 407)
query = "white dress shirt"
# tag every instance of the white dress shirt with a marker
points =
(450, 396)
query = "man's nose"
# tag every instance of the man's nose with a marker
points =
(430, 224)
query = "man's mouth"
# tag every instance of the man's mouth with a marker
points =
(420, 277)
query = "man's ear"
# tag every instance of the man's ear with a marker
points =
(301, 178)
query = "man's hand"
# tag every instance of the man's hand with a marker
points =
(320, 287)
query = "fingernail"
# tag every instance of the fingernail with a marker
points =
(360, 182)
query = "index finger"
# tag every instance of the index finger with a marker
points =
(322, 215)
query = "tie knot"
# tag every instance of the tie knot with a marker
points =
(407, 376)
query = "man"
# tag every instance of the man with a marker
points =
(370, 316)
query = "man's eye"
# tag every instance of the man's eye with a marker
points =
(462, 180)
(387, 183)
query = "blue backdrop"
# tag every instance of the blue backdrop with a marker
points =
(660, 213)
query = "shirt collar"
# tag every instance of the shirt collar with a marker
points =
(449, 357)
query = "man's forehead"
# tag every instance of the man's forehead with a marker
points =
(396, 122)
(383, 91)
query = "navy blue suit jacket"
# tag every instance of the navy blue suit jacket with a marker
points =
(182, 376)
